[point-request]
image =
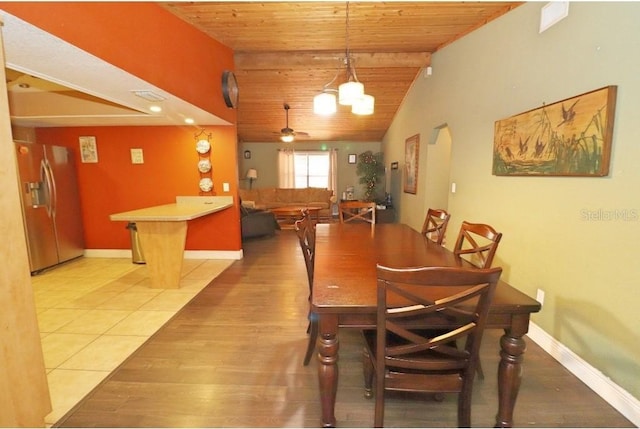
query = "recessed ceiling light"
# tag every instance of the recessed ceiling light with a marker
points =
(189, 121)
(155, 108)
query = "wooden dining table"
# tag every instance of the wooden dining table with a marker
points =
(344, 295)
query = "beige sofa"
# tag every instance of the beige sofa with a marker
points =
(269, 198)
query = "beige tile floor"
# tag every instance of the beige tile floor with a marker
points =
(94, 312)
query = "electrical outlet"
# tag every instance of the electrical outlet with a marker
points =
(225, 187)
(540, 296)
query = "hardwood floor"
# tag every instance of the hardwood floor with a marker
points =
(232, 357)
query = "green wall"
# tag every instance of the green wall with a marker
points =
(264, 158)
(557, 235)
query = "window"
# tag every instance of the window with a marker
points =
(311, 169)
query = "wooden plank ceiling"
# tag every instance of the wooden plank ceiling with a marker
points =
(285, 52)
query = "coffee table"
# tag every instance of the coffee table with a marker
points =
(288, 215)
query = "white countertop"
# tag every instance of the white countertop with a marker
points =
(185, 208)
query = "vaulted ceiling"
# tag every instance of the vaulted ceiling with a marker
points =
(285, 52)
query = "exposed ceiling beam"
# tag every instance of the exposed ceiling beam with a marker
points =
(329, 59)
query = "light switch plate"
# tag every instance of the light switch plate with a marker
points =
(225, 187)
(137, 156)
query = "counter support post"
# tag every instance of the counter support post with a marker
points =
(163, 246)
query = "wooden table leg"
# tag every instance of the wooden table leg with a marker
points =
(163, 247)
(328, 367)
(510, 369)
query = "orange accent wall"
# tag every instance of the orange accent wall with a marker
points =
(151, 43)
(143, 39)
(114, 184)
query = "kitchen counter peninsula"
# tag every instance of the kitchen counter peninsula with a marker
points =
(163, 233)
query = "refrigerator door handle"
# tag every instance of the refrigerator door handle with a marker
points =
(50, 183)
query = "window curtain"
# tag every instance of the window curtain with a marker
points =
(333, 170)
(286, 173)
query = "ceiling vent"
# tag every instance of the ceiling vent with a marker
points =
(149, 96)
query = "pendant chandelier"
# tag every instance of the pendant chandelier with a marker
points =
(351, 93)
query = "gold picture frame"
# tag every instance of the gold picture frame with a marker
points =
(571, 137)
(411, 158)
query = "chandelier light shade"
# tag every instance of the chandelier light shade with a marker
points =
(351, 93)
(324, 104)
(363, 105)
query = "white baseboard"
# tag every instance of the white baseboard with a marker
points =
(213, 254)
(616, 396)
(188, 254)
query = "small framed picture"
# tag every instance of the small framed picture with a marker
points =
(88, 149)
(411, 158)
(247, 154)
(352, 158)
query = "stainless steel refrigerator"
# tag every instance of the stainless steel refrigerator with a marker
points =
(50, 204)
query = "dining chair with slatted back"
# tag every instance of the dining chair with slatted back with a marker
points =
(398, 354)
(477, 243)
(357, 211)
(306, 230)
(435, 225)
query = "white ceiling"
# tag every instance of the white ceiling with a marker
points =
(99, 93)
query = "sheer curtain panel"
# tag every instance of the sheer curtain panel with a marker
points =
(286, 170)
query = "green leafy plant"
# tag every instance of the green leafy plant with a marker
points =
(370, 168)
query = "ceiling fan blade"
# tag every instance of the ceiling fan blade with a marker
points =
(302, 133)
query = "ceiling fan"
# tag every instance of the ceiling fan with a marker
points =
(287, 134)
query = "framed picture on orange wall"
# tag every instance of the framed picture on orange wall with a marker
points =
(88, 149)
(411, 157)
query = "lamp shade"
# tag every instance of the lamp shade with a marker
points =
(349, 92)
(364, 105)
(287, 138)
(324, 104)
(252, 173)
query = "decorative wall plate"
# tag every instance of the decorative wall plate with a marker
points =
(204, 166)
(206, 184)
(203, 146)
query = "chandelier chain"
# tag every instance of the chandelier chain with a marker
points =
(351, 73)
(347, 31)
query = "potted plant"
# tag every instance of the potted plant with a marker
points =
(370, 169)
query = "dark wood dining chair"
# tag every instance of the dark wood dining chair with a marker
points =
(477, 243)
(306, 230)
(401, 356)
(435, 225)
(357, 211)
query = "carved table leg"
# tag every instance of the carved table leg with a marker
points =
(510, 369)
(328, 367)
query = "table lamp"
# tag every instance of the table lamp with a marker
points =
(252, 174)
